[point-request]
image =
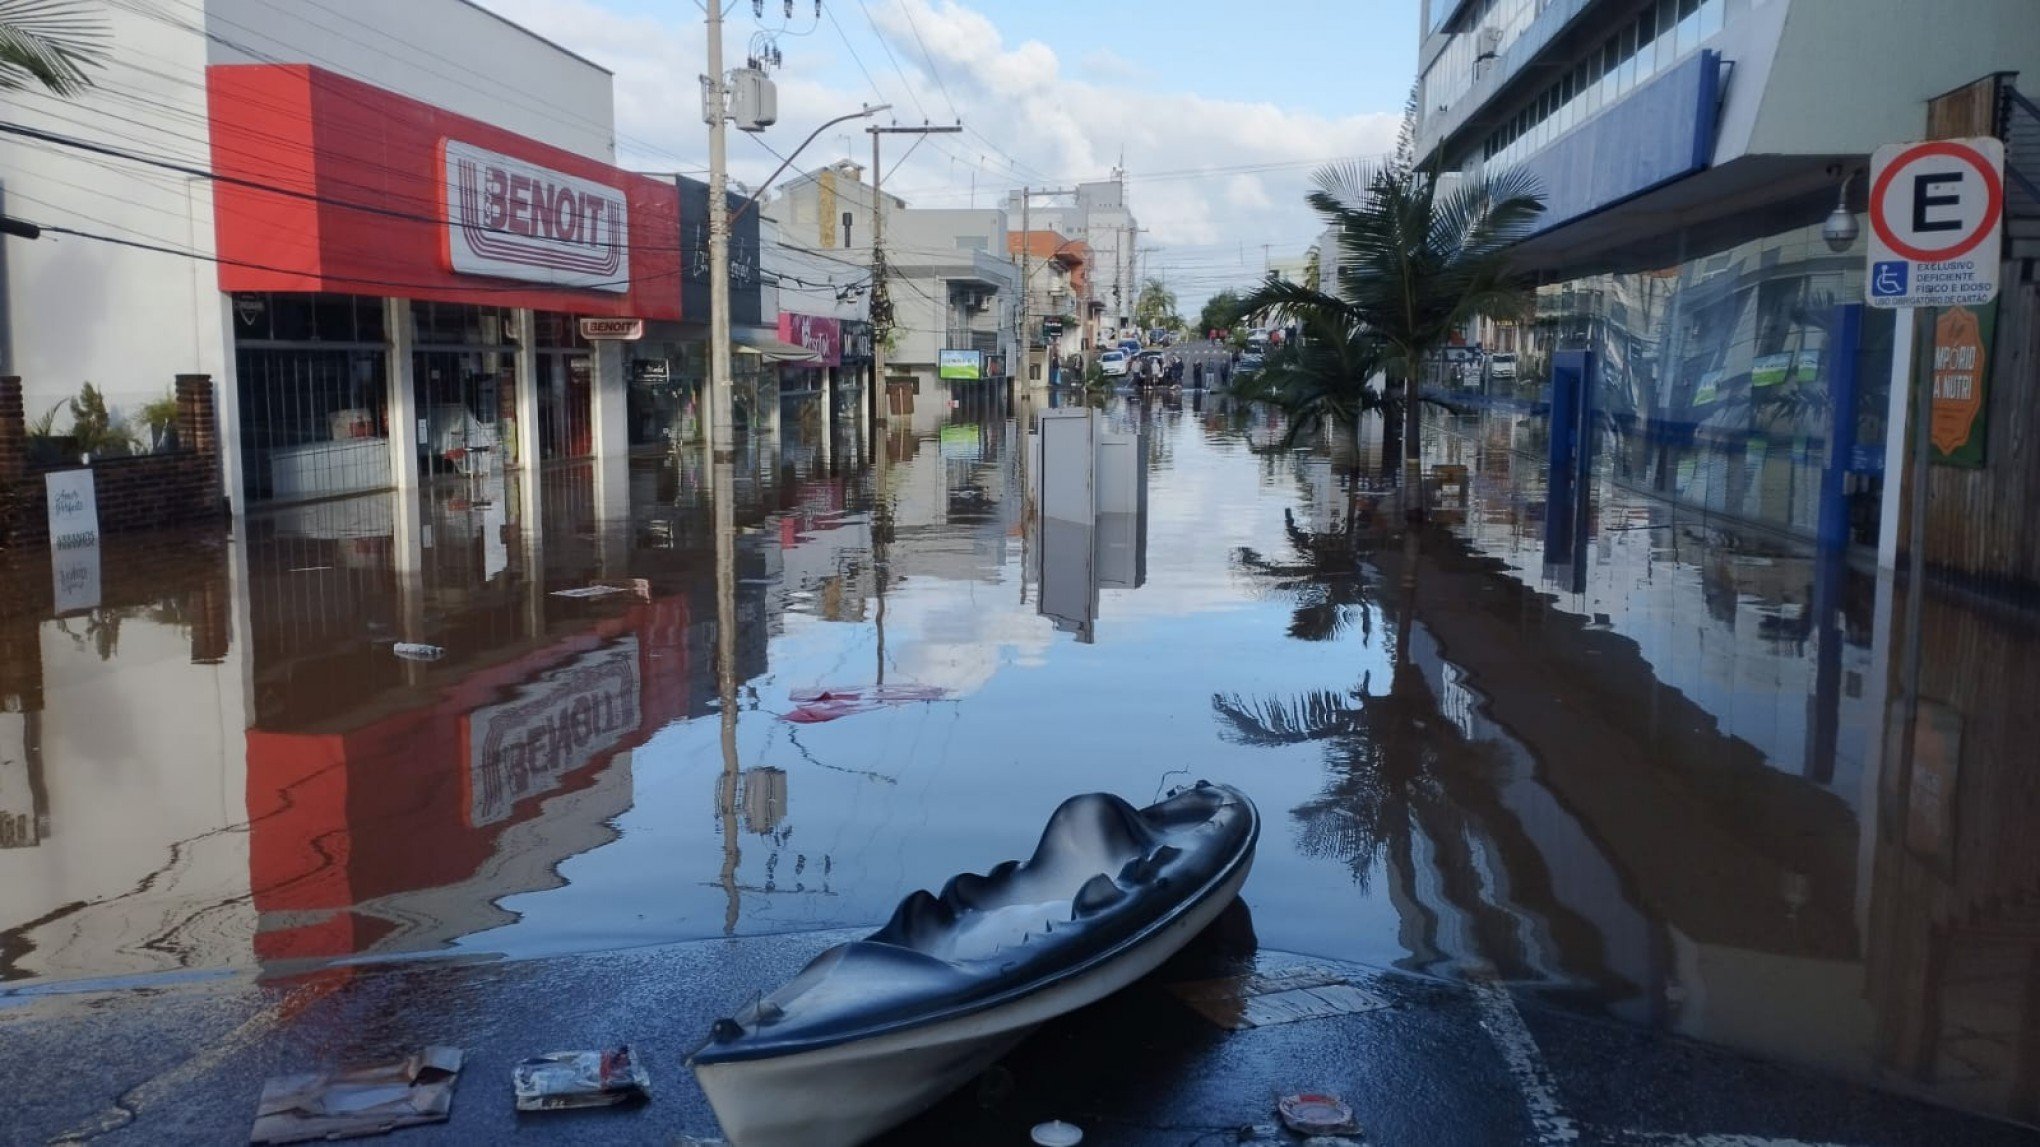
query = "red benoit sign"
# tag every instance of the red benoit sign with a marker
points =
(517, 220)
(342, 187)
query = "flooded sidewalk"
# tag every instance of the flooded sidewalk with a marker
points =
(1651, 794)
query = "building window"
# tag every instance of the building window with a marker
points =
(1664, 31)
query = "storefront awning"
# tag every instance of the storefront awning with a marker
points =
(771, 347)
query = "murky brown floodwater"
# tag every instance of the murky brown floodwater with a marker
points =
(1665, 781)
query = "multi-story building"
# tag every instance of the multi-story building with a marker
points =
(375, 226)
(1057, 304)
(1095, 213)
(1688, 152)
(950, 282)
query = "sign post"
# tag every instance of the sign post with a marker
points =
(1936, 239)
(1936, 235)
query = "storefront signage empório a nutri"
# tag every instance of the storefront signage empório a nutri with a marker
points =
(511, 219)
(624, 330)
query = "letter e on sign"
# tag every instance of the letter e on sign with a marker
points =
(1936, 223)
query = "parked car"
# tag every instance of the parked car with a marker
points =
(1130, 346)
(1113, 363)
(1502, 367)
(1249, 363)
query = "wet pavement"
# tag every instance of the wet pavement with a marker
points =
(1652, 794)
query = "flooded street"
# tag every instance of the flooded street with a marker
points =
(1651, 783)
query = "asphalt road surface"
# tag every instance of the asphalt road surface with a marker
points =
(1426, 1062)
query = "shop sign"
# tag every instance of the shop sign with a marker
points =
(1961, 374)
(615, 330)
(511, 219)
(652, 370)
(821, 335)
(565, 720)
(73, 508)
(960, 364)
(856, 341)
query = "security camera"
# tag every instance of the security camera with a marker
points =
(1841, 229)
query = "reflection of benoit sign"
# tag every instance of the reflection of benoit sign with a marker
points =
(562, 721)
(964, 364)
(628, 330)
(517, 220)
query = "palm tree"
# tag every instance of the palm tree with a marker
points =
(1327, 379)
(48, 43)
(1420, 254)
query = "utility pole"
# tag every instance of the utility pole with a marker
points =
(881, 301)
(721, 429)
(1026, 238)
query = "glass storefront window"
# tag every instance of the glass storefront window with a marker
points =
(457, 324)
(1717, 375)
(272, 317)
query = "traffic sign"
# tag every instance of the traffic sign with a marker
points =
(1936, 220)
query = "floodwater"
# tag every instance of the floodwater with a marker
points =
(1666, 781)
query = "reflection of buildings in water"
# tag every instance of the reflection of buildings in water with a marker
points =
(953, 514)
(762, 793)
(402, 829)
(120, 772)
(1685, 846)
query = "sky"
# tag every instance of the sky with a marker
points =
(1219, 112)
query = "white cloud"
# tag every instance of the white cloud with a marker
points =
(1105, 65)
(1203, 172)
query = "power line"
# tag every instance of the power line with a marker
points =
(912, 91)
(86, 145)
(223, 260)
(915, 26)
(506, 93)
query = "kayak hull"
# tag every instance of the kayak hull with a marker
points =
(843, 1095)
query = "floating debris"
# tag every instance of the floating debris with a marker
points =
(1056, 1133)
(1312, 1113)
(417, 651)
(358, 1101)
(563, 1080)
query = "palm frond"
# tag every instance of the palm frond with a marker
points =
(1317, 715)
(49, 43)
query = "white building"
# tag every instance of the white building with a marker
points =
(1688, 152)
(952, 285)
(363, 331)
(1097, 214)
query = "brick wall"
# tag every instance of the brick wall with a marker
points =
(137, 493)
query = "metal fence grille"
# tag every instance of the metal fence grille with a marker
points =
(313, 420)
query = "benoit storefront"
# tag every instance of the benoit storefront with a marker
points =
(408, 283)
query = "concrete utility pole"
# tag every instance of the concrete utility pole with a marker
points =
(881, 301)
(1026, 237)
(721, 414)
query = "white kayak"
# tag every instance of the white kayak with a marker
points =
(875, 1031)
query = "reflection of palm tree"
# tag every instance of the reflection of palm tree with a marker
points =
(1323, 577)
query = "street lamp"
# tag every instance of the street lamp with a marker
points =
(795, 154)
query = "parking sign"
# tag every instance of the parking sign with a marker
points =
(1936, 219)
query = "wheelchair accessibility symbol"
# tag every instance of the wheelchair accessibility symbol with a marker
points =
(1891, 279)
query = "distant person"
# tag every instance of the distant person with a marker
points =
(1197, 373)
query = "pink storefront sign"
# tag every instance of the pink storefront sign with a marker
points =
(820, 335)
